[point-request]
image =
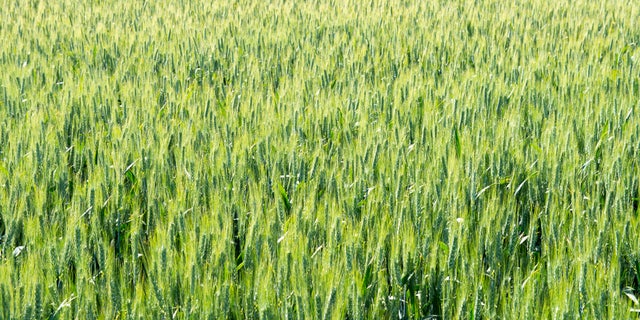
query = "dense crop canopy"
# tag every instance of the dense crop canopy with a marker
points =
(319, 159)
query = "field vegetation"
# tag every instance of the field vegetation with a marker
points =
(319, 159)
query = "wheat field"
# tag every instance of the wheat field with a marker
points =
(319, 159)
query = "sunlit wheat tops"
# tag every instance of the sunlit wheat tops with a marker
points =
(319, 159)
